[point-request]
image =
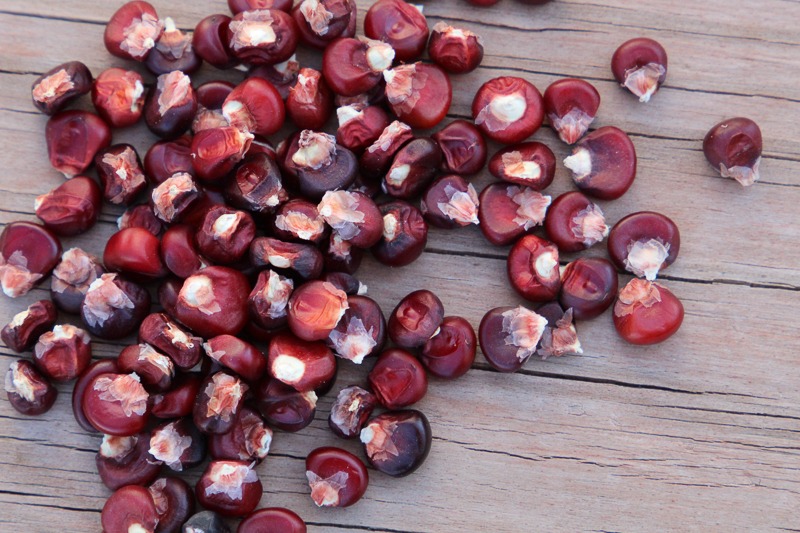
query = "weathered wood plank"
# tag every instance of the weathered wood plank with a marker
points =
(588, 448)
(673, 179)
(698, 433)
(716, 352)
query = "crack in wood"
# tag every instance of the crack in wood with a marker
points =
(76, 20)
(720, 411)
(721, 281)
(61, 507)
(362, 528)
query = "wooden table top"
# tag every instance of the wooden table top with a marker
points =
(698, 433)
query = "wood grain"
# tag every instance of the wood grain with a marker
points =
(699, 433)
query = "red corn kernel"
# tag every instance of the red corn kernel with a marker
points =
(321, 21)
(213, 301)
(25, 327)
(533, 269)
(225, 234)
(284, 407)
(398, 379)
(588, 287)
(415, 319)
(419, 94)
(646, 312)
(248, 440)
(73, 139)
(508, 109)
(173, 51)
(28, 391)
(377, 159)
(531, 164)
(734, 148)
(456, 50)
(314, 310)
(603, 163)
(171, 106)
(405, 234)
(269, 299)
(400, 24)
(644, 243)
(141, 216)
(463, 147)
(174, 196)
(235, 354)
(71, 208)
(28, 253)
(257, 185)
(341, 255)
(303, 260)
(104, 366)
(179, 401)
(126, 461)
(133, 31)
(119, 95)
(298, 220)
(316, 164)
(413, 168)
(120, 173)
(130, 508)
(178, 444)
(134, 251)
(571, 106)
(183, 348)
(362, 330)
(230, 488)
(350, 411)
(218, 403)
(60, 85)
(254, 106)
(174, 501)
(640, 65)
(63, 353)
(272, 520)
(346, 282)
(509, 336)
(507, 212)
(337, 477)
(450, 202)
(560, 337)
(164, 159)
(72, 277)
(310, 101)
(397, 443)
(212, 94)
(354, 216)
(355, 66)
(179, 251)
(450, 353)
(282, 75)
(262, 36)
(305, 366)
(216, 151)
(574, 223)
(116, 404)
(237, 6)
(114, 307)
(210, 41)
(155, 369)
(360, 126)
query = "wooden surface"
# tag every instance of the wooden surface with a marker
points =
(701, 433)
